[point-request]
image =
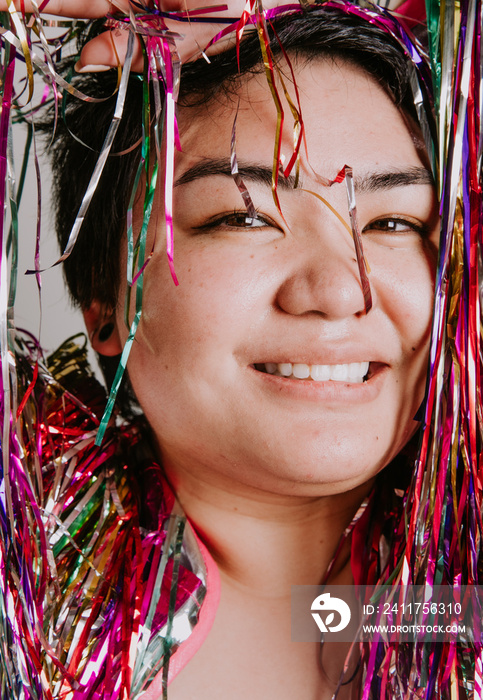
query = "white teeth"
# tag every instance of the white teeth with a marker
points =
(351, 373)
(320, 373)
(340, 373)
(358, 369)
(301, 371)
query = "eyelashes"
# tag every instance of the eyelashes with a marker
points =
(237, 220)
(396, 226)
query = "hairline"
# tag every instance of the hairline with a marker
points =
(297, 56)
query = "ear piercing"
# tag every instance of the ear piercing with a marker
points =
(105, 332)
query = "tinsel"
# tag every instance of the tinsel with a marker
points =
(78, 619)
(437, 538)
(95, 596)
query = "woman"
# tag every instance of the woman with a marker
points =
(262, 375)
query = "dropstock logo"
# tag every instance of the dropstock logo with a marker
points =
(349, 613)
(333, 613)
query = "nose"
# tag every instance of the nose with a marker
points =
(324, 277)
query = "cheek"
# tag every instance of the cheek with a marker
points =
(185, 352)
(213, 307)
(406, 294)
(405, 289)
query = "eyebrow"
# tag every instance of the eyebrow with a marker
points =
(211, 167)
(414, 175)
(261, 174)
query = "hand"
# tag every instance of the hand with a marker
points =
(99, 54)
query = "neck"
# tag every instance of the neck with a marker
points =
(263, 542)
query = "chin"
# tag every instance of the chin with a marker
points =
(306, 478)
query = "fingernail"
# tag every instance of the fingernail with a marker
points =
(90, 68)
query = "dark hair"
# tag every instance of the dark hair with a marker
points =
(92, 271)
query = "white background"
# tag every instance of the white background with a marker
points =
(59, 319)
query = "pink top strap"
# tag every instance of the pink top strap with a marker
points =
(188, 649)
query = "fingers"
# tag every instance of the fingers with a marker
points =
(108, 50)
(76, 9)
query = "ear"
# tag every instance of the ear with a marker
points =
(102, 330)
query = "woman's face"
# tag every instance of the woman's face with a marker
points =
(286, 292)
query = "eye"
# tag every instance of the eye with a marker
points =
(237, 220)
(396, 225)
(240, 219)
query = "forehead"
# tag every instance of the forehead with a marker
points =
(348, 117)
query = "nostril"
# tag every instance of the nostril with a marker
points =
(328, 284)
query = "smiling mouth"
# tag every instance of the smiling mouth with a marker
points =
(351, 373)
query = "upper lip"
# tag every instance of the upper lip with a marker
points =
(316, 352)
(312, 350)
(312, 362)
(321, 357)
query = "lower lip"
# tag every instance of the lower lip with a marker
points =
(327, 392)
